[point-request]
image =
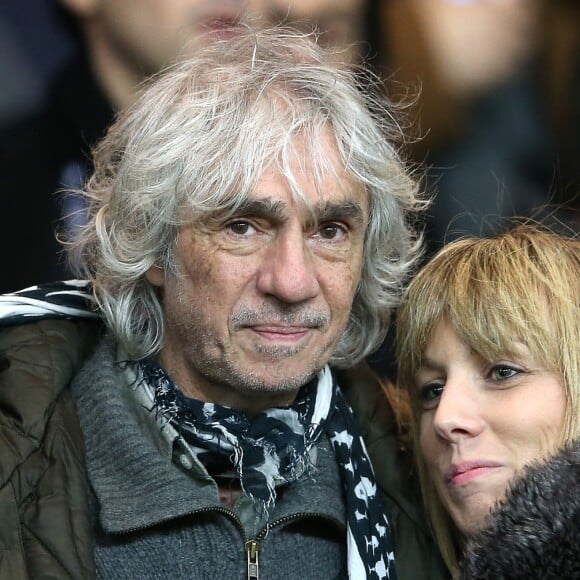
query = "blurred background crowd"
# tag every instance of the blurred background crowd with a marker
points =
(499, 107)
(493, 88)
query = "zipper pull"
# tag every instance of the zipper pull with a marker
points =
(252, 548)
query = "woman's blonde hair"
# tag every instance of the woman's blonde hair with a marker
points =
(521, 286)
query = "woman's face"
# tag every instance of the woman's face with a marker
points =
(482, 422)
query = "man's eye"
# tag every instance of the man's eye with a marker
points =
(503, 372)
(240, 228)
(331, 231)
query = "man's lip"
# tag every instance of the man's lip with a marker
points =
(465, 470)
(276, 329)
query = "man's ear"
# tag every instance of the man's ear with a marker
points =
(155, 276)
(81, 8)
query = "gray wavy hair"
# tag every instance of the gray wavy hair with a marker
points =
(196, 142)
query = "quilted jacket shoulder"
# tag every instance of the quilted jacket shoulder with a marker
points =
(44, 528)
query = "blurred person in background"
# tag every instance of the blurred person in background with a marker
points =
(498, 112)
(120, 44)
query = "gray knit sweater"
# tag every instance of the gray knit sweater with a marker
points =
(156, 511)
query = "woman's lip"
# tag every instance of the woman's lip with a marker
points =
(465, 471)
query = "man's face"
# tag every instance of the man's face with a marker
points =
(149, 34)
(263, 296)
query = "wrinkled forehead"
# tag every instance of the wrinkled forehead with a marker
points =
(308, 174)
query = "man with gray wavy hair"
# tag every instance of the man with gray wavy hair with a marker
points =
(248, 234)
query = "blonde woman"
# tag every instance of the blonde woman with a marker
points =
(489, 352)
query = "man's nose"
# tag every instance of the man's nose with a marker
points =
(458, 414)
(288, 270)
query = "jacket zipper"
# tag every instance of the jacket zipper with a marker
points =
(225, 511)
(253, 546)
(252, 560)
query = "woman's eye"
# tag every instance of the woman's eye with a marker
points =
(430, 394)
(240, 228)
(503, 372)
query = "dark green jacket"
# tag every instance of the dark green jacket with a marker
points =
(44, 521)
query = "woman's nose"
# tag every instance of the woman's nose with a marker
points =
(459, 413)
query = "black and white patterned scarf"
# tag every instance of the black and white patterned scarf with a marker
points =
(69, 299)
(271, 449)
